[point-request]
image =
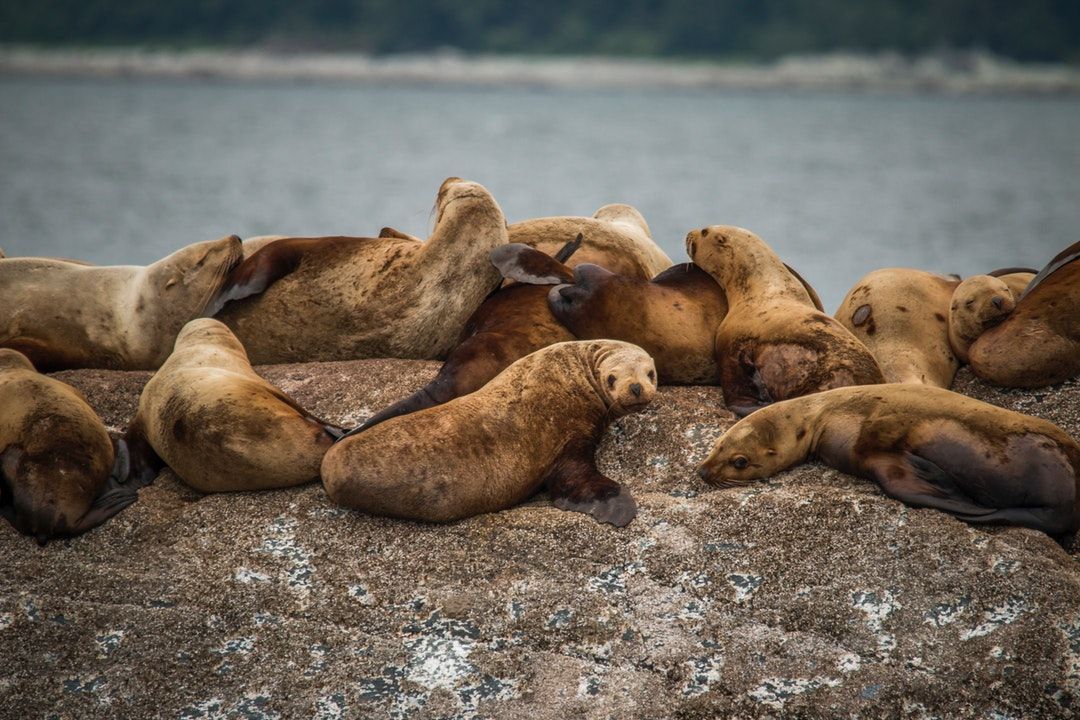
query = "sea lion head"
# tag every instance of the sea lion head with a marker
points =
(208, 331)
(726, 252)
(746, 452)
(578, 304)
(459, 197)
(192, 276)
(978, 303)
(626, 376)
(14, 360)
(625, 214)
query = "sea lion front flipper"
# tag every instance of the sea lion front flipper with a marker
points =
(576, 485)
(517, 261)
(917, 481)
(143, 462)
(259, 271)
(115, 496)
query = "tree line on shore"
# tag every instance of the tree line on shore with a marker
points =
(1033, 30)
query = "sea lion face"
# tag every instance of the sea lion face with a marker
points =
(717, 248)
(575, 305)
(627, 378)
(193, 275)
(462, 196)
(207, 331)
(979, 303)
(743, 454)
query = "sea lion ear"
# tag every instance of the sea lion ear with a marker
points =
(524, 264)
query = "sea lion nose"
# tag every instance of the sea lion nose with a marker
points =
(998, 301)
(703, 472)
(636, 389)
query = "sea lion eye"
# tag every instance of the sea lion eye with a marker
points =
(611, 381)
(652, 376)
(739, 462)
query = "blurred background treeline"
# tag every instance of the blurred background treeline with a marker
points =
(1025, 30)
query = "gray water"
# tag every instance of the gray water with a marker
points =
(126, 171)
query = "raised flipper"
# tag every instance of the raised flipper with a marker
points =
(809, 288)
(1067, 256)
(569, 248)
(576, 485)
(917, 481)
(517, 261)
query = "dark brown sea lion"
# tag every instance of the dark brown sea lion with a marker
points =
(1039, 342)
(60, 474)
(773, 344)
(925, 446)
(902, 316)
(673, 317)
(301, 299)
(66, 314)
(535, 425)
(220, 426)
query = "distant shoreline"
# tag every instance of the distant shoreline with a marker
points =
(955, 73)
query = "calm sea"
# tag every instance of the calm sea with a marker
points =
(125, 171)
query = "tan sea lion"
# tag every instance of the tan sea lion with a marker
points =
(65, 314)
(1039, 342)
(616, 237)
(302, 299)
(60, 474)
(773, 344)
(980, 302)
(902, 316)
(925, 446)
(220, 426)
(536, 424)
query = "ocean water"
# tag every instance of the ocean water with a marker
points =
(124, 171)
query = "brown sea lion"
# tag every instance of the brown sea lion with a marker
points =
(773, 344)
(511, 323)
(64, 314)
(220, 426)
(902, 316)
(673, 317)
(1039, 342)
(616, 237)
(536, 424)
(60, 474)
(302, 299)
(925, 446)
(980, 302)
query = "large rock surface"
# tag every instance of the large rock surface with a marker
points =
(809, 595)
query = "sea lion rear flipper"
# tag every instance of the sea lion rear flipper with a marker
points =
(809, 288)
(569, 248)
(517, 261)
(389, 232)
(1069, 255)
(576, 485)
(917, 481)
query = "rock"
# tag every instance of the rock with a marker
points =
(811, 594)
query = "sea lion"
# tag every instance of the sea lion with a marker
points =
(64, 314)
(980, 302)
(511, 323)
(220, 426)
(616, 237)
(60, 474)
(1039, 342)
(302, 299)
(902, 316)
(773, 344)
(536, 424)
(925, 446)
(2, 255)
(673, 316)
